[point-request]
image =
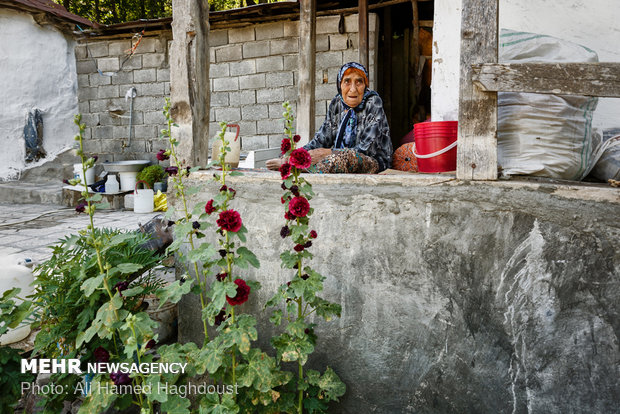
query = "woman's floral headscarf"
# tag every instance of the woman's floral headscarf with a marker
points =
(347, 66)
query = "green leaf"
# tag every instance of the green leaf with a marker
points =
(173, 292)
(192, 190)
(136, 290)
(126, 268)
(176, 405)
(289, 259)
(246, 255)
(212, 356)
(241, 234)
(202, 253)
(219, 291)
(276, 317)
(194, 169)
(218, 404)
(331, 385)
(98, 399)
(92, 284)
(235, 173)
(153, 381)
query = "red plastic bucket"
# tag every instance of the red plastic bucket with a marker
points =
(435, 146)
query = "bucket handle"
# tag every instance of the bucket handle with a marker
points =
(234, 126)
(436, 153)
(135, 191)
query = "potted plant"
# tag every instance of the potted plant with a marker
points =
(155, 176)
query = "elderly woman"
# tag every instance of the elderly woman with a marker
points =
(355, 136)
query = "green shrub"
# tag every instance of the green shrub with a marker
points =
(152, 174)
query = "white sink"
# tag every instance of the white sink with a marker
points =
(125, 166)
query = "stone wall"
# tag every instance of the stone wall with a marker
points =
(253, 71)
(457, 297)
(105, 74)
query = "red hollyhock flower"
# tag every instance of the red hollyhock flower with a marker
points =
(209, 207)
(300, 158)
(243, 292)
(120, 379)
(229, 220)
(285, 146)
(101, 354)
(172, 170)
(80, 208)
(162, 156)
(299, 247)
(299, 206)
(313, 234)
(296, 138)
(289, 216)
(285, 170)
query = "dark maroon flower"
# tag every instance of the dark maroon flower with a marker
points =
(243, 292)
(187, 169)
(295, 190)
(209, 207)
(221, 276)
(223, 188)
(65, 182)
(195, 225)
(120, 286)
(299, 247)
(172, 170)
(313, 234)
(307, 331)
(285, 146)
(120, 378)
(308, 244)
(284, 232)
(101, 354)
(296, 138)
(300, 158)
(80, 208)
(285, 171)
(299, 207)
(162, 156)
(283, 186)
(95, 158)
(229, 220)
(222, 252)
(150, 344)
(221, 317)
(289, 216)
(305, 276)
(295, 266)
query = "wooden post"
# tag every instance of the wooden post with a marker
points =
(363, 33)
(189, 79)
(307, 64)
(477, 136)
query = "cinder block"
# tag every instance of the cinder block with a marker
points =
(219, 98)
(218, 70)
(83, 81)
(102, 132)
(291, 62)
(147, 103)
(145, 131)
(322, 43)
(291, 28)
(150, 89)
(269, 30)
(254, 142)
(291, 94)
(349, 55)
(131, 62)
(275, 111)
(98, 49)
(137, 118)
(327, 24)
(108, 91)
(256, 49)
(119, 48)
(153, 60)
(269, 64)
(108, 64)
(270, 126)
(99, 105)
(150, 45)
(218, 38)
(241, 34)
(225, 84)
(252, 81)
(318, 121)
(325, 91)
(282, 46)
(80, 52)
(275, 79)
(90, 119)
(96, 79)
(247, 128)
(212, 55)
(254, 112)
(228, 53)
(275, 140)
(163, 75)
(351, 23)
(328, 59)
(270, 95)
(167, 88)
(111, 146)
(227, 114)
(84, 107)
(123, 77)
(145, 75)
(92, 146)
(244, 67)
(338, 42)
(243, 97)
(320, 108)
(106, 118)
(353, 39)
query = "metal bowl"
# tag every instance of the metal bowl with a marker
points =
(125, 166)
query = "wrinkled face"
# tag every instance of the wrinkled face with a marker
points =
(352, 86)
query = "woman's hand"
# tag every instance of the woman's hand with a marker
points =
(319, 154)
(274, 164)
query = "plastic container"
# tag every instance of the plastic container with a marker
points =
(232, 156)
(90, 174)
(435, 146)
(128, 180)
(143, 201)
(111, 185)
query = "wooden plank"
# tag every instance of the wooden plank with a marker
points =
(363, 33)
(477, 136)
(589, 79)
(307, 63)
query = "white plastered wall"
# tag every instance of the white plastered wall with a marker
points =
(37, 70)
(592, 23)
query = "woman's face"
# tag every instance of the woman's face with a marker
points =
(352, 87)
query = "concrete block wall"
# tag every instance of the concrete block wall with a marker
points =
(254, 70)
(105, 74)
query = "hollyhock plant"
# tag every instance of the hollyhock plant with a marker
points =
(162, 155)
(299, 206)
(313, 234)
(120, 378)
(209, 207)
(300, 158)
(243, 293)
(296, 138)
(285, 146)
(285, 170)
(172, 170)
(229, 220)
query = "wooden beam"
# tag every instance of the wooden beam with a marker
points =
(307, 64)
(589, 79)
(363, 33)
(477, 136)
